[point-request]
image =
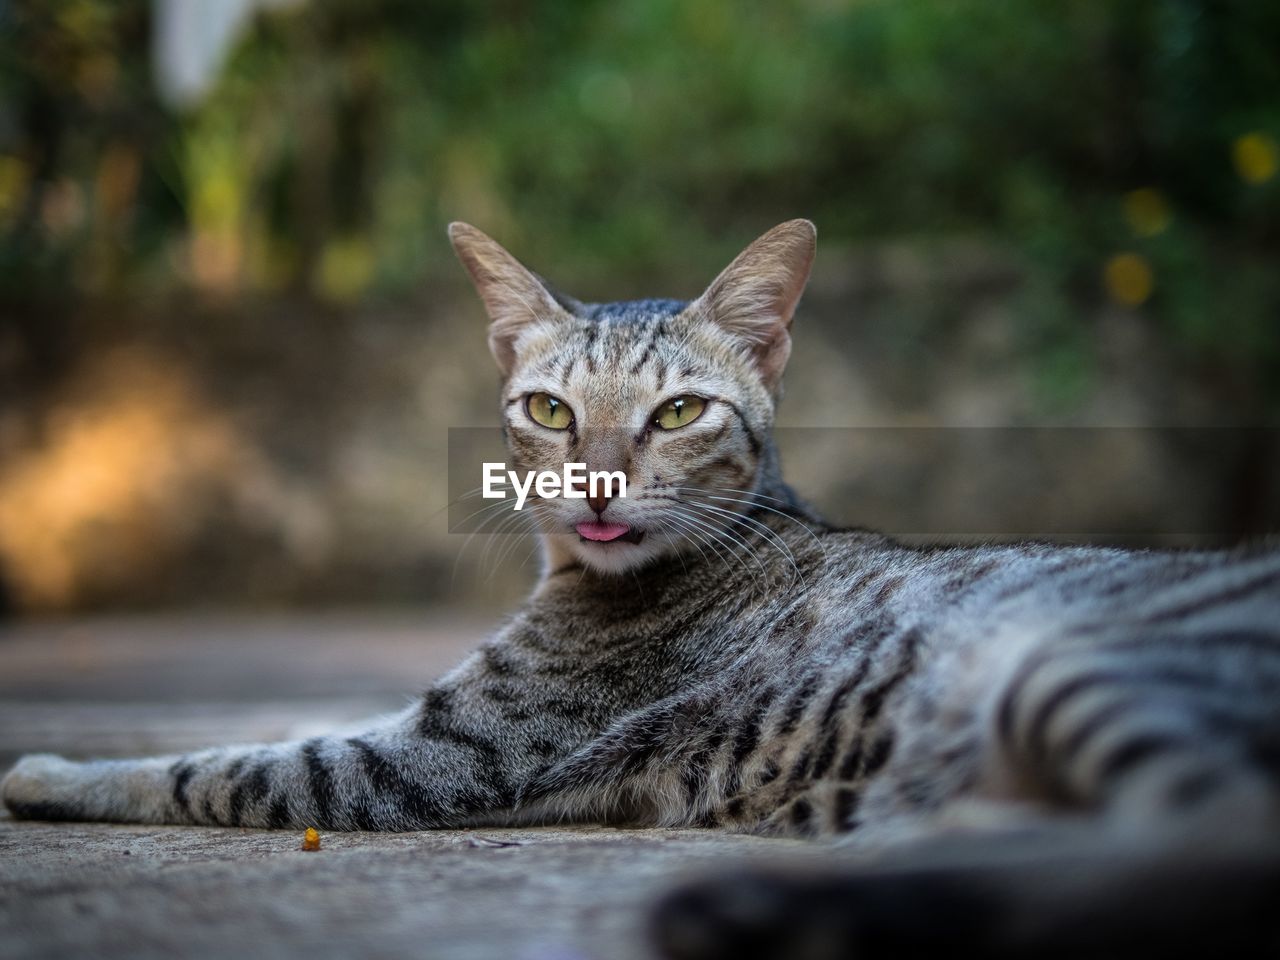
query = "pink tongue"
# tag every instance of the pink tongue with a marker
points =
(594, 530)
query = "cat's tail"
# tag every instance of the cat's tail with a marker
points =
(1087, 904)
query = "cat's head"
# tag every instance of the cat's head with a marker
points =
(678, 396)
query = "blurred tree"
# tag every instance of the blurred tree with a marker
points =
(344, 131)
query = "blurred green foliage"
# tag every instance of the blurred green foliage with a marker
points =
(613, 139)
(231, 333)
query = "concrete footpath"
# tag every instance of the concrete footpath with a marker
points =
(129, 686)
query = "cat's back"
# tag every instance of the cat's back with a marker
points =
(1065, 590)
(948, 629)
(903, 675)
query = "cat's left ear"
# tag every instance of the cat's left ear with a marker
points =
(513, 295)
(755, 297)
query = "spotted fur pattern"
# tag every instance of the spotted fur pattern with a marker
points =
(740, 662)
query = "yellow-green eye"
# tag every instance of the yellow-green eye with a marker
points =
(548, 411)
(679, 412)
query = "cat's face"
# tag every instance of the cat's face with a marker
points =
(677, 397)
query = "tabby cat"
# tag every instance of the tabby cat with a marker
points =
(707, 651)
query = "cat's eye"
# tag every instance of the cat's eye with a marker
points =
(549, 411)
(679, 412)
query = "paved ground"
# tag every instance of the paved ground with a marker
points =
(127, 686)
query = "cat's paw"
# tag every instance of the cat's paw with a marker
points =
(41, 787)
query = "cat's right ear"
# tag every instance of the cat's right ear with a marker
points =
(513, 296)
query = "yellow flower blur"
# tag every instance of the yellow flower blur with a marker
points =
(1129, 279)
(1146, 211)
(1256, 157)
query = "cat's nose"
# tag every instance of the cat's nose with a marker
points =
(606, 488)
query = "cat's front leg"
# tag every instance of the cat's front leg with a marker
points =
(461, 755)
(388, 779)
(430, 767)
(47, 787)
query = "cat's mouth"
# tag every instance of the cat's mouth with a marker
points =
(597, 531)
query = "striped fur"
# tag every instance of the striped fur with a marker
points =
(746, 664)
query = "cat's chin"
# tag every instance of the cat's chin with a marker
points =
(616, 556)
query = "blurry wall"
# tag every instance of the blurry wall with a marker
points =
(233, 338)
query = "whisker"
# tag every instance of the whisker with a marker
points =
(508, 526)
(772, 539)
(727, 530)
(753, 498)
(453, 578)
(715, 529)
(420, 522)
(772, 536)
(662, 527)
(714, 535)
(537, 541)
(717, 534)
(490, 508)
(639, 586)
(517, 537)
(693, 530)
(750, 493)
(762, 506)
(684, 535)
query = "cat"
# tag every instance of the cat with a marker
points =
(706, 651)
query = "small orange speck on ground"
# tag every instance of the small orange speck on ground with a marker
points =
(1129, 279)
(311, 839)
(1256, 156)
